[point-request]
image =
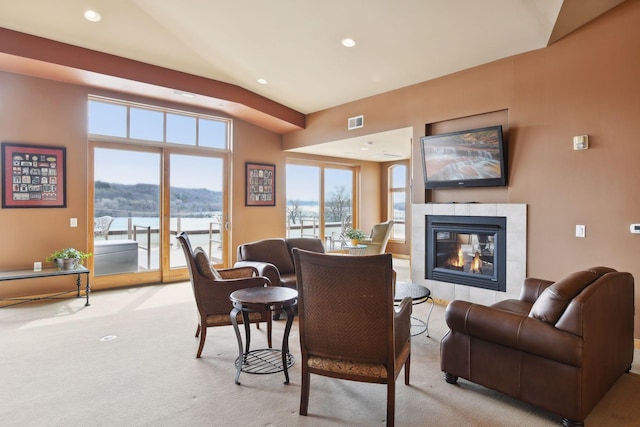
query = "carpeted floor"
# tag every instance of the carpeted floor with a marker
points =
(129, 360)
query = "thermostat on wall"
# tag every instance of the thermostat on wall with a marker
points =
(635, 228)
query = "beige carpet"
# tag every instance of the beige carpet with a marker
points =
(129, 360)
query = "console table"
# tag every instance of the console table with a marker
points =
(47, 272)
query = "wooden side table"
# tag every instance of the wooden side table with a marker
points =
(261, 299)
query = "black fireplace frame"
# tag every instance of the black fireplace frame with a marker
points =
(467, 224)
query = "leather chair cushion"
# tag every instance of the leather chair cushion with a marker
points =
(554, 300)
(204, 265)
(273, 251)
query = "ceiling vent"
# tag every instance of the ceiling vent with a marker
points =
(355, 122)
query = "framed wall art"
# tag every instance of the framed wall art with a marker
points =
(261, 184)
(33, 176)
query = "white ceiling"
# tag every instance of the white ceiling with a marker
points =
(295, 44)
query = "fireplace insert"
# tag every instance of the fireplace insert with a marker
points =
(467, 250)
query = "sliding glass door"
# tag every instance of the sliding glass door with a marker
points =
(126, 207)
(197, 206)
(139, 210)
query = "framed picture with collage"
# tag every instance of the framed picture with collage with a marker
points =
(33, 176)
(261, 184)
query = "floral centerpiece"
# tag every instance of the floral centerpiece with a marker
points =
(68, 258)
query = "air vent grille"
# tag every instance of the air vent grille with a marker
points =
(355, 122)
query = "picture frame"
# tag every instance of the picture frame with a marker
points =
(33, 176)
(260, 184)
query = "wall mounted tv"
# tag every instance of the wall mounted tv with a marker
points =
(469, 158)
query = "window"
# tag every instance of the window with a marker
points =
(111, 118)
(398, 199)
(157, 172)
(320, 201)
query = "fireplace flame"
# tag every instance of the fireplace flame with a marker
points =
(457, 262)
(476, 263)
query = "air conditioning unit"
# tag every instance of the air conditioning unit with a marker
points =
(355, 122)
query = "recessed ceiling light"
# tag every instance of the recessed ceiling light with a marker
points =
(348, 42)
(262, 81)
(92, 15)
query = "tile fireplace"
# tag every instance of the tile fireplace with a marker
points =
(514, 252)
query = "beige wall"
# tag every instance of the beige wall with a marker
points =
(587, 83)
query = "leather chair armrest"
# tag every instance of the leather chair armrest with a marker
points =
(264, 269)
(513, 330)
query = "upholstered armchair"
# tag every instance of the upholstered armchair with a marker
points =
(560, 346)
(273, 259)
(378, 238)
(211, 289)
(348, 325)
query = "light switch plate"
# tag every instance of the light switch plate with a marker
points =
(73, 222)
(581, 230)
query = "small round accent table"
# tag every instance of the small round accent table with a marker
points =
(357, 250)
(418, 295)
(261, 299)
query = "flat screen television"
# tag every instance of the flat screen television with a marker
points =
(468, 158)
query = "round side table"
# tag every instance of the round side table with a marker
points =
(418, 295)
(357, 250)
(261, 299)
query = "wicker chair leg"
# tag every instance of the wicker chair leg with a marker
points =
(407, 370)
(203, 336)
(304, 390)
(391, 401)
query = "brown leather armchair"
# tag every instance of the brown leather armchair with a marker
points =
(272, 258)
(561, 346)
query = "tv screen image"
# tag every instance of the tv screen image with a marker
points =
(469, 158)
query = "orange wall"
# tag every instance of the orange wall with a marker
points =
(43, 112)
(586, 83)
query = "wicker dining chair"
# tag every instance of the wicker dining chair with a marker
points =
(211, 289)
(348, 326)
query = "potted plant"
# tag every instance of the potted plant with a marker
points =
(355, 235)
(68, 258)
